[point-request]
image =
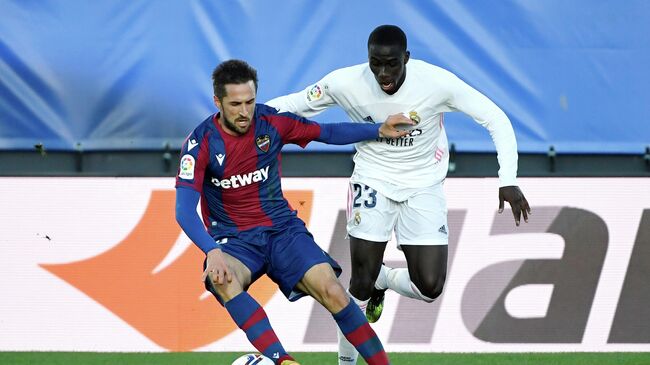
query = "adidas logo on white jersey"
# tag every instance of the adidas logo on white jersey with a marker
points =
(442, 229)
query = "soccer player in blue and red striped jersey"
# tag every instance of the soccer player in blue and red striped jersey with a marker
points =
(231, 164)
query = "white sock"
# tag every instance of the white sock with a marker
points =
(399, 281)
(347, 352)
(382, 280)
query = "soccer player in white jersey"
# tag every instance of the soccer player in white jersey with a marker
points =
(396, 185)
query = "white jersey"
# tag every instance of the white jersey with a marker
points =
(399, 166)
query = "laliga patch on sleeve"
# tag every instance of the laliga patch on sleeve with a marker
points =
(187, 167)
(315, 93)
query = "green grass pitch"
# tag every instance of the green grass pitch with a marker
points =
(323, 358)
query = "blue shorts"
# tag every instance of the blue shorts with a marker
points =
(284, 253)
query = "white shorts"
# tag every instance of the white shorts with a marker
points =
(421, 219)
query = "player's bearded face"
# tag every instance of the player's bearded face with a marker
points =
(237, 107)
(388, 64)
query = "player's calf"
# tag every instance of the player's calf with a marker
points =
(251, 318)
(356, 329)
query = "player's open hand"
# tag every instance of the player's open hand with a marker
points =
(517, 200)
(391, 127)
(217, 268)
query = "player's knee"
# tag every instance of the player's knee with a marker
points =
(224, 291)
(334, 297)
(219, 289)
(430, 287)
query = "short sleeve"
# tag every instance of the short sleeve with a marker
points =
(294, 129)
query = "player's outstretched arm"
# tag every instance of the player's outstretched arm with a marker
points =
(517, 200)
(345, 133)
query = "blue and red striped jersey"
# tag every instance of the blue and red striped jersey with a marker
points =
(238, 177)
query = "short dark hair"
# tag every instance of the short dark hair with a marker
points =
(232, 72)
(388, 35)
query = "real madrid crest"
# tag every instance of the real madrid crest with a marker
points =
(357, 218)
(414, 117)
(263, 142)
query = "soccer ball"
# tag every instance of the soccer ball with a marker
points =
(253, 359)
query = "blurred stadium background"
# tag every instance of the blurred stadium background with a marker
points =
(96, 98)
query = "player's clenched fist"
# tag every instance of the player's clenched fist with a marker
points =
(389, 128)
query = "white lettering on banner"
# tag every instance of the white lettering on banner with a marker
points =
(237, 181)
(584, 246)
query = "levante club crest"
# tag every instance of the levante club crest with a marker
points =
(263, 142)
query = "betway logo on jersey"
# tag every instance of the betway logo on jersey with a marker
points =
(237, 181)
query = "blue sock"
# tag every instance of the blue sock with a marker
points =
(356, 329)
(252, 319)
